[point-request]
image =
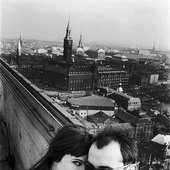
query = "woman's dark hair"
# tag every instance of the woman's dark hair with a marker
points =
(128, 146)
(70, 139)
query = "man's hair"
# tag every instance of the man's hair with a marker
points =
(122, 136)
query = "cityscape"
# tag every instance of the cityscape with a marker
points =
(100, 83)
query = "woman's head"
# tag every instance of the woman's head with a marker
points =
(70, 139)
(73, 140)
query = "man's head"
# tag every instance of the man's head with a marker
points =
(112, 148)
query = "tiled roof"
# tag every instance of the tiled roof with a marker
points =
(91, 101)
(164, 120)
(126, 117)
(124, 125)
(99, 117)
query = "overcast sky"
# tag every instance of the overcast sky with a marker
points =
(130, 22)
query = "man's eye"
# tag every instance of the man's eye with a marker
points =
(77, 163)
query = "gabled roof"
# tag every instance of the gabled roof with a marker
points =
(126, 117)
(162, 139)
(99, 117)
(92, 101)
(164, 120)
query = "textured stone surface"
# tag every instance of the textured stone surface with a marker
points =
(3, 153)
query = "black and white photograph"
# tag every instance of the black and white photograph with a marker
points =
(84, 85)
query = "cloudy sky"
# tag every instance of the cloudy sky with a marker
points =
(129, 22)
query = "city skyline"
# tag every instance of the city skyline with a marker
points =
(123, 22)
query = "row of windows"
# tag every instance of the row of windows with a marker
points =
(61, 87)
(122, 78)
(83, 66)
(111, 84)
(114, 81)
(80, 88)
(135, 103)
(80, 81)
(80, 72)
(124, 83)
(80, 85)
(113, 76)
(144, 131)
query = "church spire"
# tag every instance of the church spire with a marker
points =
(19, 50)
(153, 49)
(20, 39)
(68, 31)
(80, 42)
(19, 46)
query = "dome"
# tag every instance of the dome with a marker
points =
(101, 50)
(80, 51)
(124, 58)
(86, 48)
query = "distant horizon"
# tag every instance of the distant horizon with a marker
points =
(127, 22)
(94, 43)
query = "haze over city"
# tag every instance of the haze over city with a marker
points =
(120, 22)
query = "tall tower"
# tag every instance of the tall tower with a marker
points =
(68, 43)
(20, 39)
(80, 42)
(153, 48)
(80, 51)
(19, 47)
(19, 50)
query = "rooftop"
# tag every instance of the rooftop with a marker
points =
(92, 101)
(126, 117)
(98, 117)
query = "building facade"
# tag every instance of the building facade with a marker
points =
(109, 77)
(142, 127)
(78, 74)
(86, 106)
(68, 77)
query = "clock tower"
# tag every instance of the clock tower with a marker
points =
(68, 43)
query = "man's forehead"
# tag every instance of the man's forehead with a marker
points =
(108, 155)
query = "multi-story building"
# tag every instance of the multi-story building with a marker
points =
(68, 77)
(75, 73)
(143, 127)
(125, 101)
(89, 105)
(109, 77)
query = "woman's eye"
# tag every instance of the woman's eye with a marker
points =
(77, 163)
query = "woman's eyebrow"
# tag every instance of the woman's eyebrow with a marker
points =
(78, 160)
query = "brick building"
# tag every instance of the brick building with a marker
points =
(75, 73)
(143, 127)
